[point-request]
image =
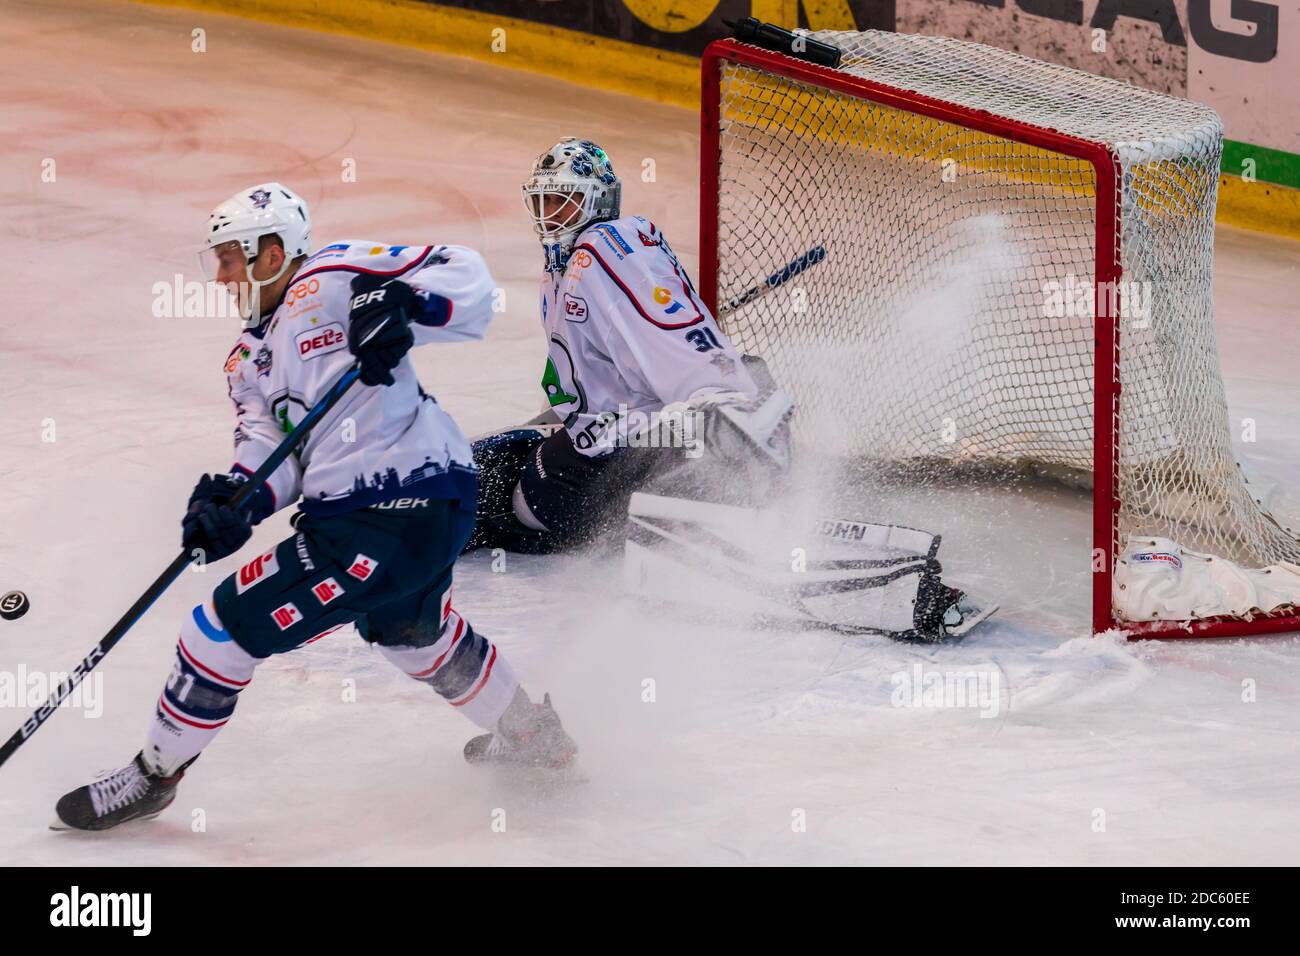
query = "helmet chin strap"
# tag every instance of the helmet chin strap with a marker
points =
(251, 312)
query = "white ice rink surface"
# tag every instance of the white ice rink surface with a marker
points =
(1097, 751)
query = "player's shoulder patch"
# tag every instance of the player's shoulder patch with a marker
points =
(651, 281)
(363, 256)
(616, 238)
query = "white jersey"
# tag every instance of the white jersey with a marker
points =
(378, 443)
(628, 335)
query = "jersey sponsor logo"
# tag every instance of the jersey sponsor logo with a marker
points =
(401, 503)
(302, 290)
(286, 616)
(316, 342)
(613, 239)
(392, 250)
(327, 590)
(664, 297)
(259, 569)
(362, 567)
(619, 254)
(575, 308)
(1158, 557)
(237, 355)
(578, 262)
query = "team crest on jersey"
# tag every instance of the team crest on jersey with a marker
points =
(327, 590)
(362, 567)
(286, 616)
(664, 297)
(263, 361)
(259, 569)
(646, 240)
(575, 308)
(317, 342)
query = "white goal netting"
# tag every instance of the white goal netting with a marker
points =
(951, 319)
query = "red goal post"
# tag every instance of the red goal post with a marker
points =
(1107, 265)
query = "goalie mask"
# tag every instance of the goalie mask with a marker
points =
(573, 185)
(240, 222)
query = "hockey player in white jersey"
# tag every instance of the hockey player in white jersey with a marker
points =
(635, 357)
(638, 373)
(387, 489)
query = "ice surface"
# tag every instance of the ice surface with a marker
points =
(760, 746)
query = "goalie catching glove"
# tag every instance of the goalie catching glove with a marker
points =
(733, 427)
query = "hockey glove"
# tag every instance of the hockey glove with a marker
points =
(739, 430)
(379, 332)
(212, 525)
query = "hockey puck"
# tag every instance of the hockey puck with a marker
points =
(14, 605)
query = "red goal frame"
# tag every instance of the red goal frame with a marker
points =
(1108, 272)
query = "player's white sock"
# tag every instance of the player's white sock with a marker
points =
(200, 696)
(465, 668)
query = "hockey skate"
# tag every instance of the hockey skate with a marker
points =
(133, 793)
(942, 614)
(528, 735)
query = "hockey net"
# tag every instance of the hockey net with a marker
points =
(1017, 272)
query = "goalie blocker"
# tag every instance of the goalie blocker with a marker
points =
(848, 576)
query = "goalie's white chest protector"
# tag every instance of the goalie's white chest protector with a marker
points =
(627, 334)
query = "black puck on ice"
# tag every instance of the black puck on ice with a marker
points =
(14, 605)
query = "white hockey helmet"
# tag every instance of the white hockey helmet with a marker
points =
(266, 210)
(580, 173)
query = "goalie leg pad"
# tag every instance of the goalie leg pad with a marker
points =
(846, 575)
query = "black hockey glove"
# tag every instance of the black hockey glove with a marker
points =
(212, 525)
(379, 332)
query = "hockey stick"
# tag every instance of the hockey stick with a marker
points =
(169, 576)
(814, 256)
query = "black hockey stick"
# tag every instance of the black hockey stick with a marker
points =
(169, 576)
(814, 256)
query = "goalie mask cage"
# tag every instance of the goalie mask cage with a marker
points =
(1071, 216)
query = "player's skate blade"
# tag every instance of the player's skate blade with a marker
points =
(541, 743)
(132, 793)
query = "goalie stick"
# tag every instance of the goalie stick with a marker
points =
(173, 570)
(814, 256)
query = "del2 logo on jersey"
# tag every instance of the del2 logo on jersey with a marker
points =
(575, 308)
(316, 342)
